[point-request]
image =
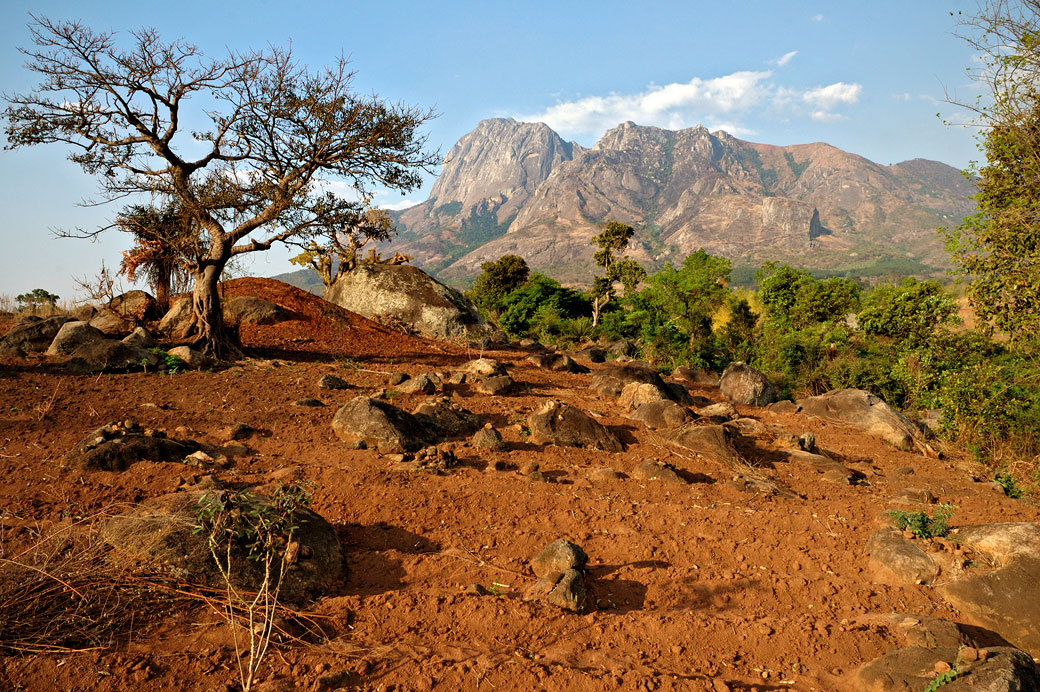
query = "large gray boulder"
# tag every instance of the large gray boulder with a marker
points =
(561, 424)
(111, 323)
(135, 305)
(113, 356)
(1005, 599)
(743, 384)
(71, 336)
(406, 296)
(1004, 669)
(116, 446)
(240, 310)
(31, 336)
(380, 425)
(866, 412)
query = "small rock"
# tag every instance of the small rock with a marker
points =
(237, 431)
(559, 556)
(497, 385)
(654, 470)
(396, 378)
(330, 381)
(603, 475)
(476, 590)
(488, 438)
(565, 589)
(916, 495)
(529, 468)
(309, 402)
(421, 384)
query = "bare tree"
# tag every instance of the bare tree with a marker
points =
(248, 164)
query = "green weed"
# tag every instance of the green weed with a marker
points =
(921, 524)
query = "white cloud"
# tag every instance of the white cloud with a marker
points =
(727, 99)
(671, 105)
(829, 97)
(786, 58)
(817, 17)
(397, 206)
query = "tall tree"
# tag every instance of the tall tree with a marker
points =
(998, 248)
(612, 241)
(338, 254)
(249, 164)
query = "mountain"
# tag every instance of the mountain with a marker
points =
(512, 187)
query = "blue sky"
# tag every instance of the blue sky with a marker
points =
(866, 77)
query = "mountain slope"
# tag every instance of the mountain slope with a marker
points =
(510, 187)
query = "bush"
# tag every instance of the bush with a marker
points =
(539, 304)
(909, 313)
(922, 525)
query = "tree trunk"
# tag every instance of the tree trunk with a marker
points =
(211, 336)
(163, 278)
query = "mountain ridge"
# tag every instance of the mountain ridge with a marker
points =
(515, 187)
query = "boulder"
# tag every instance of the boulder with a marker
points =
(635, 394)
(330, 381)
(113, 356)
(865, 412)
(1005, 599)
(136, 306)
(499, 385)
(111, 323)
(1004, 669)
(691, 376)
(140, 337)
(192, 359)
(407, 295)
(31, 336)
(380, 425)
(622, 348)
(743, 384)
(899, 561)
(609, 382)
(483, 367)
(420, 384)
(116, 446)
(714, 442)
(445, 418)
(561, 424)
(559, 556)
(564, 589)
(488, 438)
(71, 336)
(160, 534)
(654, 470)
(662, 414)
(557, 362)
(832, 469)
(240, 310)
(722, 410)
(177, 320)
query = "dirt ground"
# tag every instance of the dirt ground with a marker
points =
(698, 586)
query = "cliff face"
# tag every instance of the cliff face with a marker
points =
(510, 187)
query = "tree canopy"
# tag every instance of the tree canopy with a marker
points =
(246, 143)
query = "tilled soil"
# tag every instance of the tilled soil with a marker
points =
(697, 586)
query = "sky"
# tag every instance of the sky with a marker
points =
(870, 78)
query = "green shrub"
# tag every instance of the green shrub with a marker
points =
(921, 524)
(909, 313)
(1009, 484)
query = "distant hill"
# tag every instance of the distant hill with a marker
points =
(513, 187)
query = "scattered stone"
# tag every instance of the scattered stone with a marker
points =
(178, 319)
(833, 471)
(866, 412)
(445, 418)
(561, 424)
(476, 590)
(160, 534)
(743, 384)
(609, 382)
(498, 385)
(420, 384)
(915, 668)
(435, 459)
(193, 359)
(784, 407)
(116, 446)
(712, 441)
(897, 561)
(531, 345)
(31, 336)
(380, 425)
(112, 356)
(557, 362)
(747, 426)
(657, 415)
(563, 589)
(685, 374)
(140, 337)
(111, 323)
(622, 347)
(330, 381)
(71, 336)
(489, 438)
(396, 378)
(635, 394)
(678, 393)
(529, 468)
(722, 411)
(483, 367)
(593, 354)
(603, 475)
(916, 495)
(309, 403)
(559, 556)
(654, 470)
(458, 378)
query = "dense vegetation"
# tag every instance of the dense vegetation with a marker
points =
(902, 341)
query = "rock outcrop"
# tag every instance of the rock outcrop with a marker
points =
(866, 412)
